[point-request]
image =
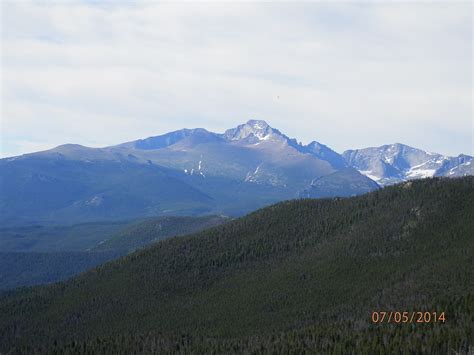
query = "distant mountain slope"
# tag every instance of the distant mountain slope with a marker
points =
(163, 141)
(197, 172)
(152, 230)
(187, 172)
(299, 275)
(69, 250)
(343, 183)
(394, 163)
(54, 187)
(19, 269)
(53, 238)
(253, 152)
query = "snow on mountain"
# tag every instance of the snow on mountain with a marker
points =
(199, 171)
(252, 176)
(397, 162)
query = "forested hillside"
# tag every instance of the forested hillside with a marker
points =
(299, 275)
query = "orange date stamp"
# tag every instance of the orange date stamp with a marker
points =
(379, 317)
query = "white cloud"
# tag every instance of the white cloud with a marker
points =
(348, 75)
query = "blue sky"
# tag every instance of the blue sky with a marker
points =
(349, 75)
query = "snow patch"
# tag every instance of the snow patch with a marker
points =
(370, 175)
(95, 201)
(199, 170)
(421, 173)
(420, 165)
(252, 177)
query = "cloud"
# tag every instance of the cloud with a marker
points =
(348, 75)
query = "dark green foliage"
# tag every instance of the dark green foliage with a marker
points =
(344, 337)
(297, 276)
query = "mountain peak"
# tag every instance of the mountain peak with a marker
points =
(258, 124)
(256, 128)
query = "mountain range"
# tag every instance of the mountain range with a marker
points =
(197, 172)
(394, 163)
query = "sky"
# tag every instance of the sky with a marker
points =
(346, 74)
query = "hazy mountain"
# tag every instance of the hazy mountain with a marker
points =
(251, 153)
(166, 140)
(397, 162)
(323, 152)
(297, 277)
(195, 172)
(89, 184)
(191, 171)
(343, 183)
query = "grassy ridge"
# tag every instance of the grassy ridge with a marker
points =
(297, 275)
